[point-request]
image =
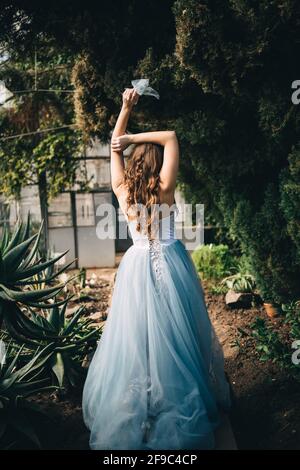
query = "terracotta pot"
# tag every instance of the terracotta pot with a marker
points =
(271, 310)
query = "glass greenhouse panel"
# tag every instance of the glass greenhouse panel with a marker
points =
(60, 214)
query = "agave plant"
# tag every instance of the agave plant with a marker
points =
(53, 345)
(16, 384)
(70, 339)
(74, 339)
(21, 270)
(240, 283)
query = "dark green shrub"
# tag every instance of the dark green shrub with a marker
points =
(277, 343)
(213, 262)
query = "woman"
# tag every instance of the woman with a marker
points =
(156, 380)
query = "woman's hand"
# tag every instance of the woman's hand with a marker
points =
(119, 140)
(130, 98)
(118, 144)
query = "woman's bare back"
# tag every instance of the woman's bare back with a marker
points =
(167, 201)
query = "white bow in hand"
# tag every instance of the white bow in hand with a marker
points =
(142, 87)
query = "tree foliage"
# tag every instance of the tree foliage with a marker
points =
(224, 71)
(25, 158)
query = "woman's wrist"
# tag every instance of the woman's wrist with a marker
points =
(130, 138)
(126, 108)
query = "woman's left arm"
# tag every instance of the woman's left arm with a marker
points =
(130, 97)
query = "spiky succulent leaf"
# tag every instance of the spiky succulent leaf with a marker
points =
(53, 319)
(71, 324)
(29, 295)
(57, 365)
(33, 269)
(13, 257)
(49, 305)
(15, 237)
(34, 248)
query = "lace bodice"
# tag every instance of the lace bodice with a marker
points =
(165, 233)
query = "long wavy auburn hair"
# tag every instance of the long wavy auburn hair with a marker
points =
(142, 183)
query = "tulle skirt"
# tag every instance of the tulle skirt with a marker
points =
(156, 380)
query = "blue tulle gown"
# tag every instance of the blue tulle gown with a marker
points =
(156, 380)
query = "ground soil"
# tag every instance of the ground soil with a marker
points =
(266, 412)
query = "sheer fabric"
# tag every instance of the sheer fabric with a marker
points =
(156, 380)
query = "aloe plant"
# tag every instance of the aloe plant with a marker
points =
(16, 384)
(241, 283)
(74, 339)
(21, 270)
(71, 339)
(53, 346)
